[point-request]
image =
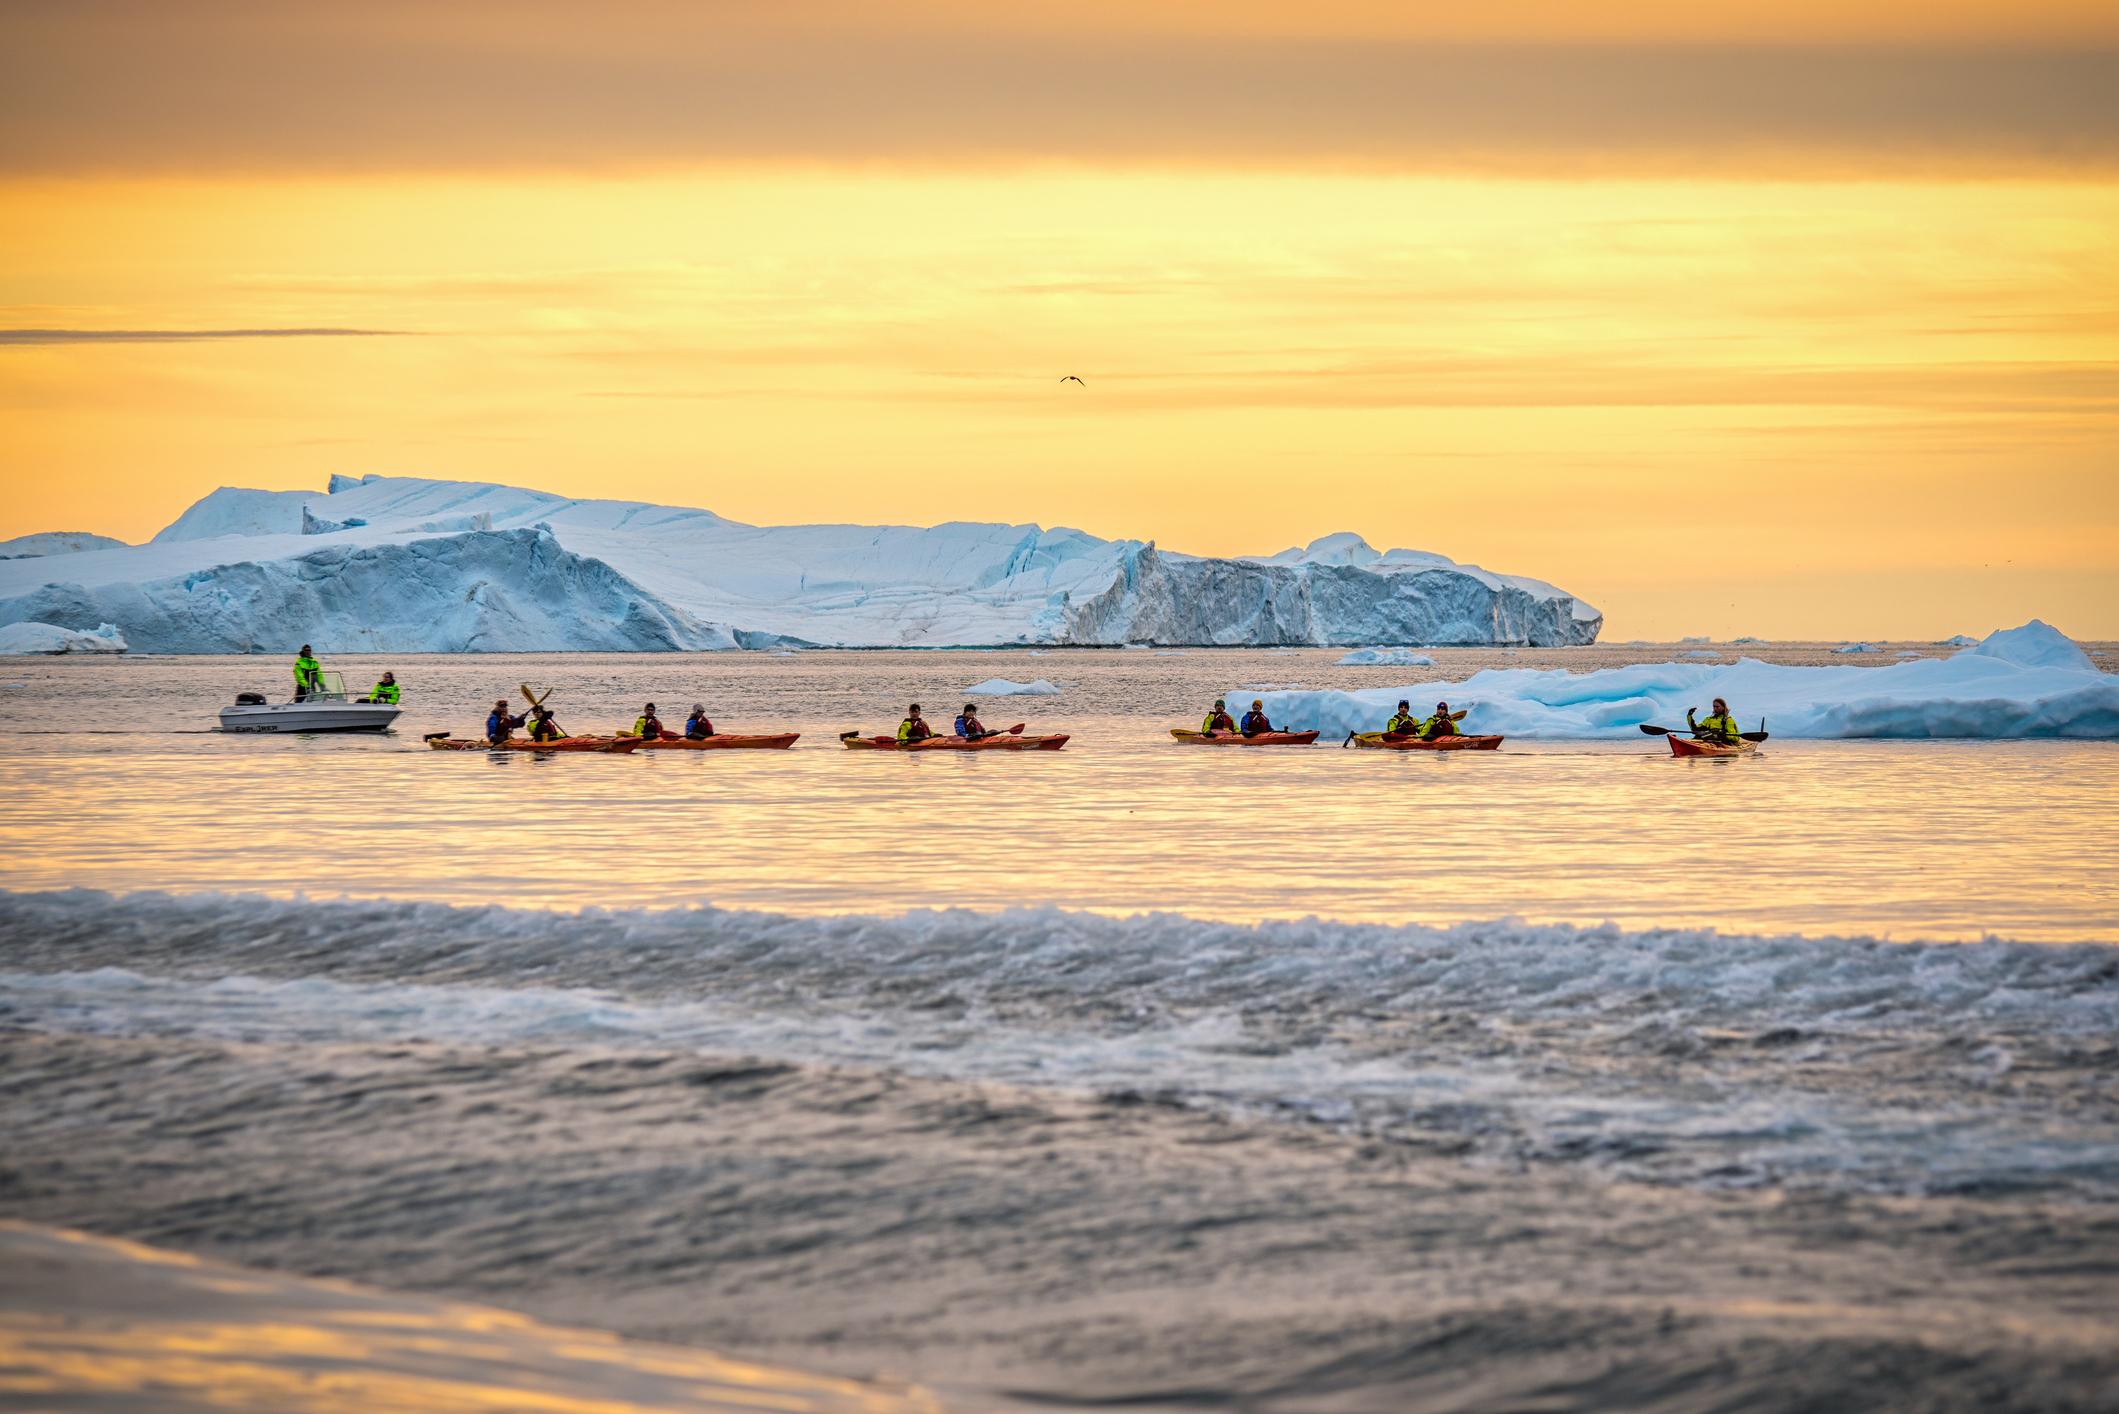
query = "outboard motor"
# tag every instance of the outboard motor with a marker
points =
(250, 699)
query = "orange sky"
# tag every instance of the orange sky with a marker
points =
(1769, 320)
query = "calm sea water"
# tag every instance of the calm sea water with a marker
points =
(1569, 1077)
(115, 780)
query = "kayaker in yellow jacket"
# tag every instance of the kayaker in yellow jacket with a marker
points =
(1218, 720)
(1441, 724)
(914, 727)
(1402, 722)
(543, 727)
(1718, 727)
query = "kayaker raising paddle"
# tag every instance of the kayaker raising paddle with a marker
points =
(1719, 727)
(543, 727)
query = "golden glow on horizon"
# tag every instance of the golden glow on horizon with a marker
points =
(1708, 407)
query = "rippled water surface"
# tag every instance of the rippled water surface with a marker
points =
(114, 780)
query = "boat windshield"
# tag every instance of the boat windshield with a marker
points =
(332, 688)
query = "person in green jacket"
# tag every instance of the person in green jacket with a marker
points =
(384, 691)
(1441, 724)
(1718, 727)
(1402, 722)
(308, 674)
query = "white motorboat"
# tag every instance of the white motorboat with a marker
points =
(321, 709)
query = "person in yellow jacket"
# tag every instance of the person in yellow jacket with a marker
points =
(384, 691)
(1402, 722)
(647, 726)
(544, 727)
(1443, 723)
(1218, 720)
(1718, 727)
(914, 727)
(308, 674)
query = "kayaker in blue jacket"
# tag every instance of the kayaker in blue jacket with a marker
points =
(1255, 721)
(499, 723)
(697, 727)
(968, 725)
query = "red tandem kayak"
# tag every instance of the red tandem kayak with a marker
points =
(1386, 742)
(724, 741)
(1193, 738)
(854, 741)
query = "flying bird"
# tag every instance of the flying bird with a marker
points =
(1070, 378)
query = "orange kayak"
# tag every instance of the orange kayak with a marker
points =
(1193, 738)
(1690, 746)
(724, 741)
(1386, 742)
(855, 742)
(572, 743)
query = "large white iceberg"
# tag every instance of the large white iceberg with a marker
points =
(50, 638)
(2031, 681)
(404, 564)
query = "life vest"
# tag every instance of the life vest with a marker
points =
(499, 726)
(1217, 722)
(545, 729)
(1400, 724)
(914, 729)
(1438, 725)
(384, 692)
(1255, 722)
(647, 728)
(1722, 729)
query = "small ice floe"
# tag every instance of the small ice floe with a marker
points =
(1002, 687)
(1699, 652)
(1909, 653)
(1956, 640)
(1747, 638)
(1857, 648)
(51, 638)
(1386, 658)
(1695, 638)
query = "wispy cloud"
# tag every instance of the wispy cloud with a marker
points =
(181, 336)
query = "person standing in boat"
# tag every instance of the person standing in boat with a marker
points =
(1719, 727)
(308, 674)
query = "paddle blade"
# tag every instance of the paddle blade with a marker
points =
(1753, 736)
(532, 698)
(1016, 730)
(1650, 729)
